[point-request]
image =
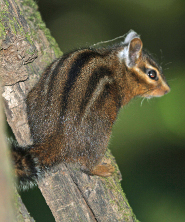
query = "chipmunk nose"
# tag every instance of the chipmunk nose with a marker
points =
(167, 90)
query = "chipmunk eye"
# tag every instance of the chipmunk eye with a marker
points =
(152, 74)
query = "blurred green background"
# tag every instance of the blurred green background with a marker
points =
(148, 139)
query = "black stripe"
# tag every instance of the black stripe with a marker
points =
(95, 78)
(151, 60)
(105, 93)
(45, 74)
(74, 72)
(143, 69)
(108, 88)
(54, 75)
(137, 78)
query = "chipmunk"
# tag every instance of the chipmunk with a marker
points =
(72, 109)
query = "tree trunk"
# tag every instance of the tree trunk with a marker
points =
(26, 48)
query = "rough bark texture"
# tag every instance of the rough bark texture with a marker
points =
(26, 48)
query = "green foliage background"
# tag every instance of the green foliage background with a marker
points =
(148, 138)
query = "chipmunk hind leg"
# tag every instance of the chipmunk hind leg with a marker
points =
(101, 168)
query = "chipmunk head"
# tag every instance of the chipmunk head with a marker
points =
(142, 69)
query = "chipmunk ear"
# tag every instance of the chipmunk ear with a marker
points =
(134, 52)
(132, 49)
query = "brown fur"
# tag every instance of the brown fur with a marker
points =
(72, 108)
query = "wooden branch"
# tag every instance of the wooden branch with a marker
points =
(26, 49)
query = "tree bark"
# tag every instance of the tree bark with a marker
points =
(26, 48)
